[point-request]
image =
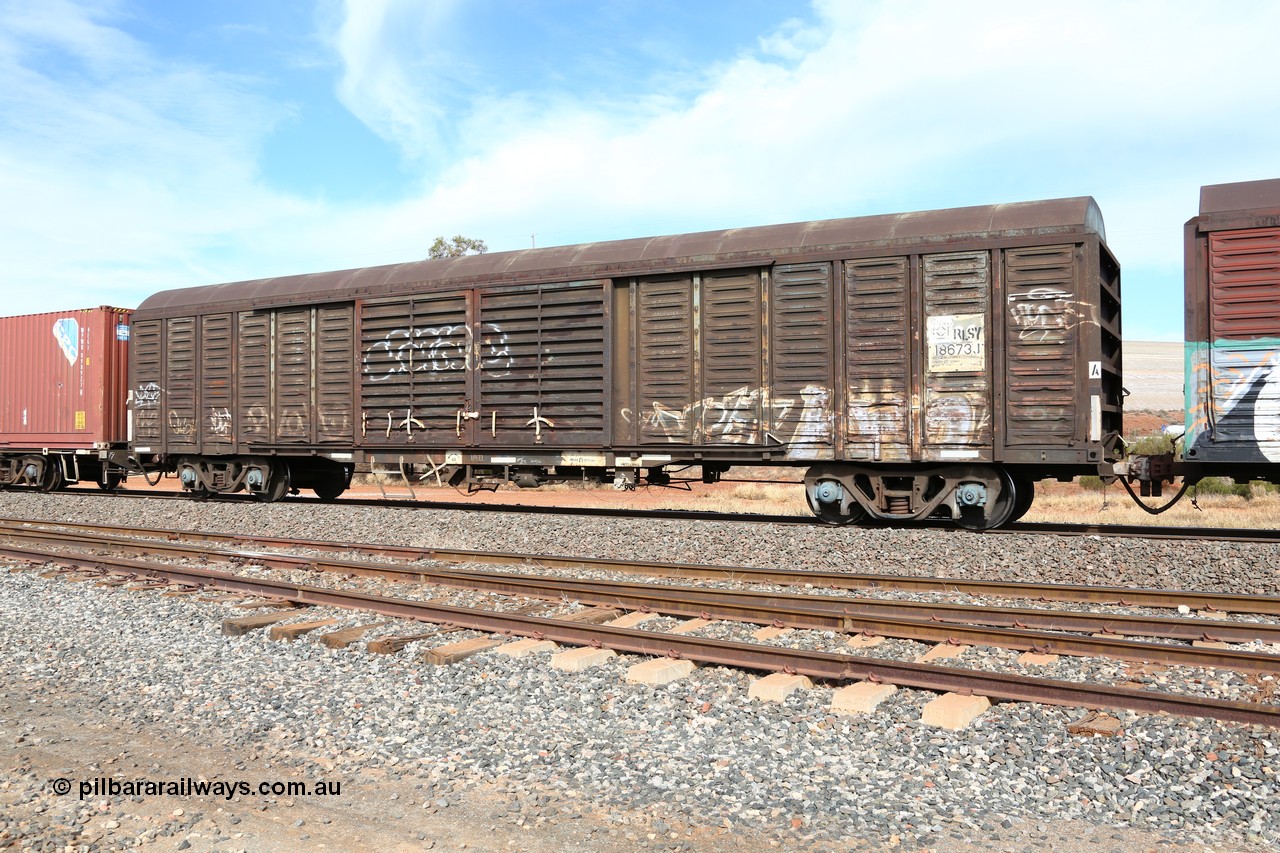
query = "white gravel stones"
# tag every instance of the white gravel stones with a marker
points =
(693, 753)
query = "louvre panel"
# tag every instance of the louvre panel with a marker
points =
(180, 384)
(386, 386)
(1244, 332)
(413, 380)
(292, 357)
(957, 404)
(733, 404)
(216, 384)
(253, 378)
(542, 354)
(1040, 345)
(145, 350)
(335, 354)
(1242, 414)
(438, 359)
(664, 356)
(801, 358)
(1244, 284)
(878, 363)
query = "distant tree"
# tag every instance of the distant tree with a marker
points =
(456, 248)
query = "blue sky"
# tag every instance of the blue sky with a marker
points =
(149, 145)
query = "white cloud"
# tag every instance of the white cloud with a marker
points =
(118, 171)
(395, 70)
(891, 106)
(918, 101)
(122, 173)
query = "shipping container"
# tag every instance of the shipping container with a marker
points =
(63, 389)
(63, 379)
(1233, 330)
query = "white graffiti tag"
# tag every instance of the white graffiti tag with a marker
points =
(147, 396)
(220, 422)
(438, 349)
(735, 418)
(1042, 314)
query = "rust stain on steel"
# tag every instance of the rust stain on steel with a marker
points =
(770, 658)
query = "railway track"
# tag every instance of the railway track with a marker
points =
(1123, 596)
(1206, 534)
(1018, 628)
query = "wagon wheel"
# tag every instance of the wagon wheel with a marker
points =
(830, 513)
(51, 480)
(111, 480)
(1024, 494)
(1003, 511)
(329, 489)
(277, 484)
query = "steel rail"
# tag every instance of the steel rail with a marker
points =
(945, 612)
(822, 665)
(1081, 593)
(1215, 534)
(1041, 528)
(1136, 531)
(813, 612)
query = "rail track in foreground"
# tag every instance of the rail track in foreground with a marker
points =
(1208, 534)
(1122, 596)
(926, 622)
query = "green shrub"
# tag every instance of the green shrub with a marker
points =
(1149, 445)
(1223, 486)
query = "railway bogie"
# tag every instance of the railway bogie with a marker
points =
(266, 478)
(977, 497)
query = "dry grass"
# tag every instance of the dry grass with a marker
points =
(1057, 502)
(1067, 502)
(762, 498)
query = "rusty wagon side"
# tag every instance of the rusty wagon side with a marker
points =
(1233, 332)
(918, 364)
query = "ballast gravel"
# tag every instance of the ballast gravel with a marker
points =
(651, 761)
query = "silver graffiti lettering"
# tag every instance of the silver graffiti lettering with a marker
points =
(438, 349)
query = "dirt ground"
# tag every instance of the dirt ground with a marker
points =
(48, 734)
(72, 738)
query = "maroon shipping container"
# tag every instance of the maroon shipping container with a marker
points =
(64, 380)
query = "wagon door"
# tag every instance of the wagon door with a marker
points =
(415, 389)
(538, 360)
(878, 360)
(1040, 346)
(665, 359)
(801, 357)
(700, 359)
(1243, 369)
(956, 409)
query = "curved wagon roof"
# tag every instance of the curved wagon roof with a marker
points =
(755, 246)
